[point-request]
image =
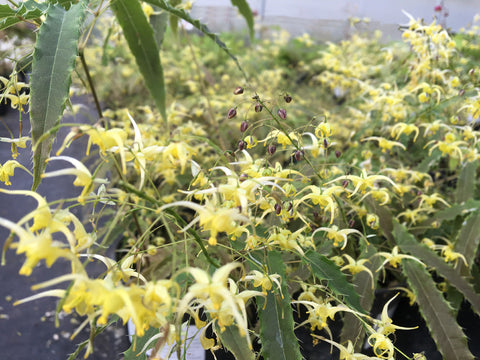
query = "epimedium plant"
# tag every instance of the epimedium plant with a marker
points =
(269, 204)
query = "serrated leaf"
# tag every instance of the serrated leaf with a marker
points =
(28, 10)
(53, 62)
(235, 343)
(448, 336)
(407, 243)
(362, 282)
(468, 240)
(246, 12)
(142, 44)
(451, 212)
(276, 318)
(466, 182)
(182, 14)
(325, 269)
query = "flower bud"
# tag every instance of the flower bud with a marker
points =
(278, 208)
(271, 149)
(461, 92)
(241, 145)
(244, 126)
(288, 99)
(299, 155)
(243, 177)
(282, 113)
(325, 143)
(258, 107)
(471, 72)
(238, 90)
(232, 113)
(351, 223)
(338, 153)
(438, 8)
(345, 183)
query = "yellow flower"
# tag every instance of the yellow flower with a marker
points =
(83, 177)
(7, 170)
(394, 258)
(35, 247)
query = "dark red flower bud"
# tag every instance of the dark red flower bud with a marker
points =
(438, 8)
(271, 149)
(282, 113)
(325, 143)
(241, 145)
(278, 209)
(351, 223)
(299, 155)
(238, 90)
(232, 113)
(244, 126)
(243, 177)
(345, 183)
(288, 99)
(461, 92)
(338, 154)
(258, 107)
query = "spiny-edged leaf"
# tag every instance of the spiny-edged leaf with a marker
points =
(448, 336)
(235, 343)
(276, 317)
(27, 10)
(142, 44)
(53, 63)
(138, 343)
(182, 14)
(452, 212)
(468, 240)
(325, 269)
(362, 282)
(246, 12)
(466, 182)
(66, 4)
(407, 243)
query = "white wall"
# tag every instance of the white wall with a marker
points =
(328, 19)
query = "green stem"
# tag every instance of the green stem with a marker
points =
(90, 83)
(177, 217)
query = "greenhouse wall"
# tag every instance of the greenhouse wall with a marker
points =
(329, 20)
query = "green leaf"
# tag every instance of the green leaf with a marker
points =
(451, 213)
(325, 269)
(448, 336)
(142, 44)
(276, 317)
(134, 351)
(235, 343)
(246, 12)
(407, 243)
(468, 240)
(159, 25)
(53, 63)
(182, 14)
(28, 10)
(466, 182)
(362, 282)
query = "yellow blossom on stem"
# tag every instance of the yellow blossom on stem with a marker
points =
(8, 169)
(83, 177)
(394, 258)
